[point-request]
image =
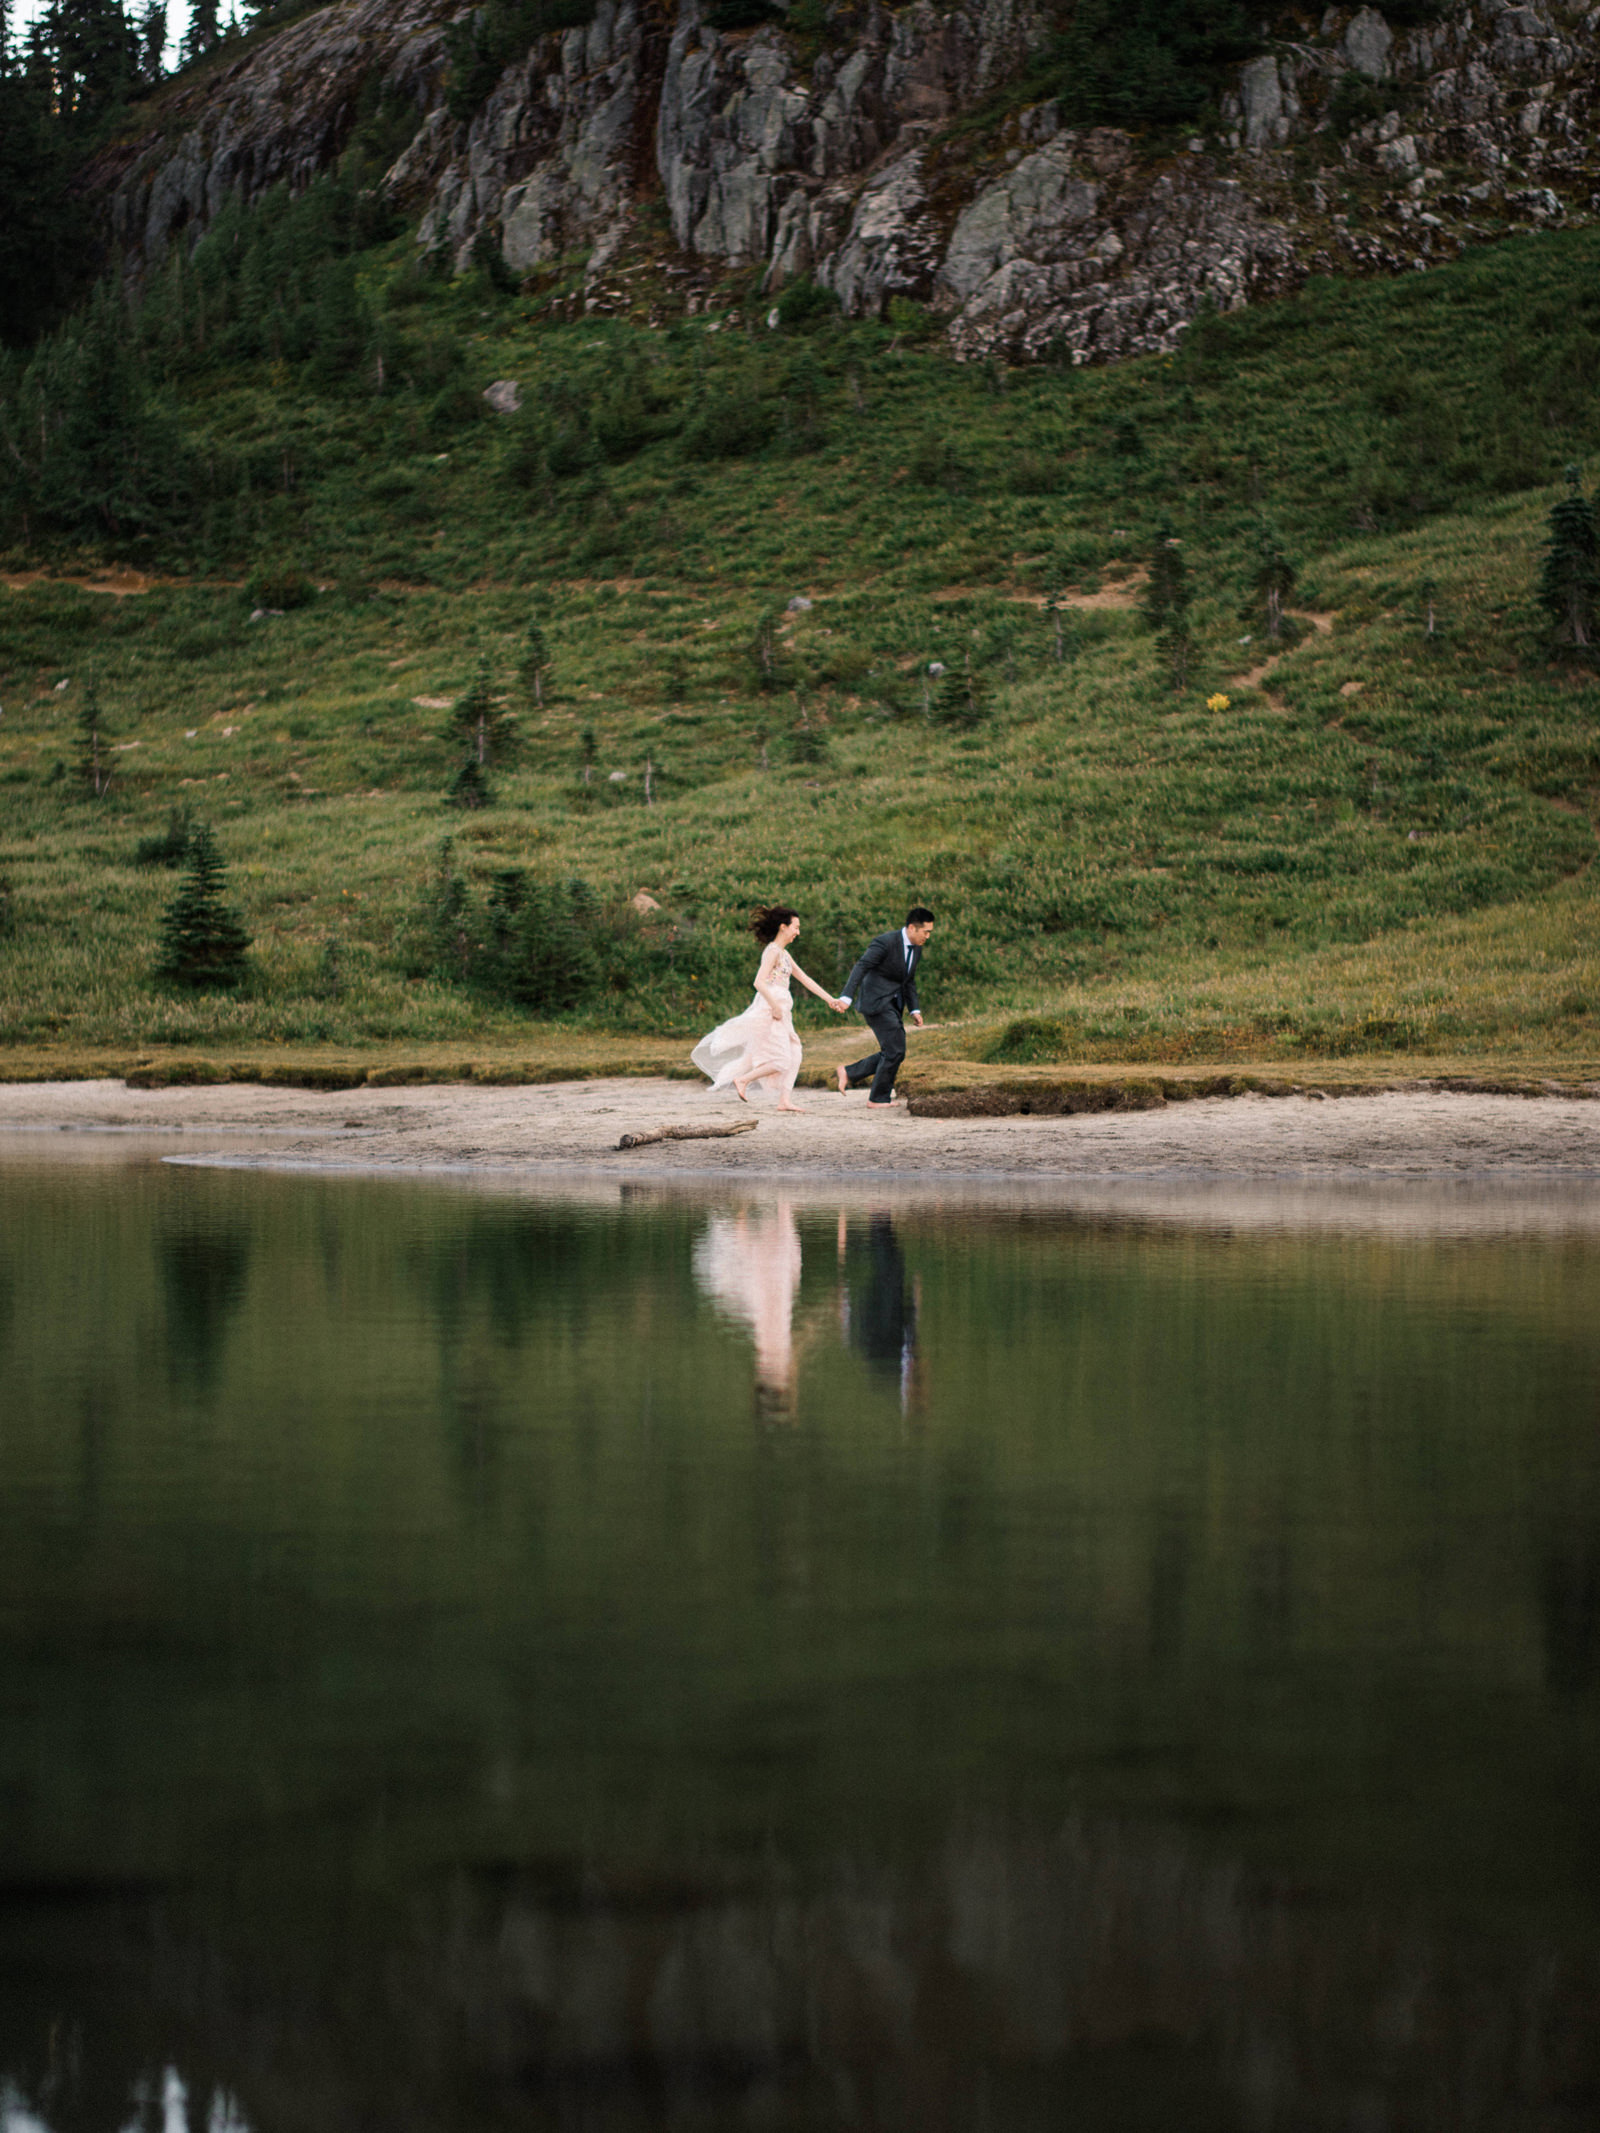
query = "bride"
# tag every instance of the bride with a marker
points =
(760, 1044)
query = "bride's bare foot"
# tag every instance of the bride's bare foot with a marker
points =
(738, 1090)
(839, 1077)
(789, 1107)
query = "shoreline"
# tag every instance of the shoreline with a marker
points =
(1394, 1139)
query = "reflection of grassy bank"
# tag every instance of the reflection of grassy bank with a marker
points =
(1245, 1500)
(1379, 849)
(403, 1580)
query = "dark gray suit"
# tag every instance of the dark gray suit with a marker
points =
(884, 986)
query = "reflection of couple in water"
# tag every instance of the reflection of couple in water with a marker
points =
(748, 1263)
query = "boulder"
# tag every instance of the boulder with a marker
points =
(1368, 42)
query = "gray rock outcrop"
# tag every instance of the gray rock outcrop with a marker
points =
(775, 159)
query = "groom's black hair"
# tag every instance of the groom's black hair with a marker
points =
(919, 915)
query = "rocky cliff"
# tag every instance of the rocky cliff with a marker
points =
(892, 161)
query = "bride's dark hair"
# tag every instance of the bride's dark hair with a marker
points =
(764, 922)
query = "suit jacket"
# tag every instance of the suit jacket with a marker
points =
(884, 978)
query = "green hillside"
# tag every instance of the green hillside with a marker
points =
(1380, 844)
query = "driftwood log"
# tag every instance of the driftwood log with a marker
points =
(688, 1133)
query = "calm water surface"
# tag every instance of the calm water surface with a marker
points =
(473, 1661)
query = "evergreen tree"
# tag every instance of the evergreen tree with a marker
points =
(963, 698)
(152, 42)
(488, 729)
(94, 753)
(41, 224)
(95, 60)
(1166, 596)
(1272, 584)
(483, 721)
(203, 943)
(535, 662)
(470, 787)
(83, 447)
(771, 667)
(1055, 606)
(204, 30)
(1569, 583)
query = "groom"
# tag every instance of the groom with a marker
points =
(886, 981)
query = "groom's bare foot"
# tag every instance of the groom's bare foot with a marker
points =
(840, 1077)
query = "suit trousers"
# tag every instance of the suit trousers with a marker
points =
(883, 1065)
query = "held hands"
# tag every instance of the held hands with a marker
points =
(916, 1016)
(840, 1007)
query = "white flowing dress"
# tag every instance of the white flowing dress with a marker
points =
(756, 1041)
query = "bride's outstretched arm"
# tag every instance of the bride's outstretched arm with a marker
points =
(811, 985)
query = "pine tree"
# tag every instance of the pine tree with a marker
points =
(482, 721)
(203, 943)
(152, 41)
(488, 730)
(535, 668)
(767, 654)
(1272, 583)
(94, 754)
(42, 222)
(963, 698)
(1177, 649)
(204, 30)
(1569, 583)
(1166, 595)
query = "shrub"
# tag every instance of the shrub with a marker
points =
(728, 425)
(171, 847)
(1035, 474)
(278, 588)
(1032, 1040)
(963, 695)
(457, 407)
(808, 739)
(805, 305)
(536, 944)
(540, 943)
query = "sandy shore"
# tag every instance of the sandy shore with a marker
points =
(571, 1126)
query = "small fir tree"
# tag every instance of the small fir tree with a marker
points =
(204, 29)
(1166, 595)
(1569, 583)
(588, 754)
(535, 668)
(963, 698)
(470, 787)
(1272, 584)
(1177, 649)
(487, 728)
(1055, 607)
(94, 754)
(767, 653)
(203, 943)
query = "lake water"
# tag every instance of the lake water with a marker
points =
(476, 1659)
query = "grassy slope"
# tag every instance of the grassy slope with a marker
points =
(1400, 869)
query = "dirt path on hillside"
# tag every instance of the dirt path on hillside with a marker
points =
(1254, 676)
